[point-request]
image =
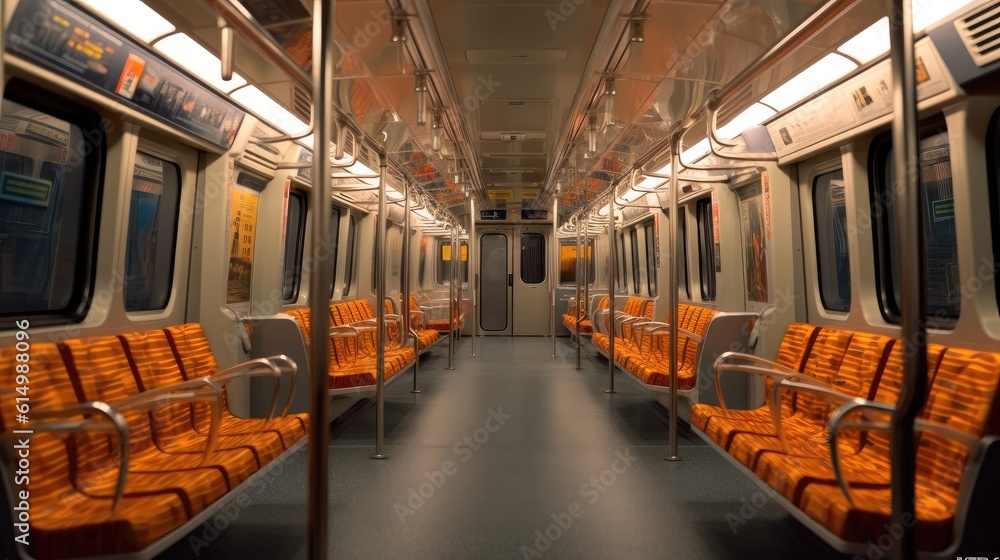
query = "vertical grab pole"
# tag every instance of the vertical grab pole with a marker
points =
(380, 312)
(554, 268)
(911, 273)
(580, 274)
(586, 281)
(611, 291)
(675, 166)
(323, 60)
(451, 300)
(474, 270)
(404, 304)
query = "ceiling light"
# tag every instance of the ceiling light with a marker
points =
(637, 30)
(138, 18)
(198, 60)
(269, 110)
(753, 116)
(927, 13)
(604, 211)
(438, 127)
(592, 135)
(421, 88)
(696, 152)
(869, 44)
(630, 195)
(609, 101)
(398, 28)
(828, 70)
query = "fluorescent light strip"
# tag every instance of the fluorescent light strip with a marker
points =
(928, 12)
(269, 110)
(753, 116)
(828, 70)
(188, 54)
(133, 15)
(869, 44)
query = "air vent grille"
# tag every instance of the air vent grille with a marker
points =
(301, 101)
(980, 31)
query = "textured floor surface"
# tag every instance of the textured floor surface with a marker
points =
(513, 454)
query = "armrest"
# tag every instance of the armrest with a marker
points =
(286, 366)
(771, 371)
(259, 367)
(805, 384)
(734, 356)
(838, 422)
(107, 420)
(189, 391)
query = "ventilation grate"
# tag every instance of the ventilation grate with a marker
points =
(980, 30)
(301, 101)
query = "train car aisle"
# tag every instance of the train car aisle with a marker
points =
(514, 454)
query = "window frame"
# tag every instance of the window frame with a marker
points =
(819, 245)
(140, 151)
(302, 201)
(878, 160)
(543, 246)
(707, 274)
(88, 228)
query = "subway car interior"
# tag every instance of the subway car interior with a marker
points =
(478, 279)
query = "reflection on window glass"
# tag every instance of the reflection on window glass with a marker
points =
(349, 270)
(532, 258)
(295, 235)
(830, 214)
(152, 232)
(48, 201)
(568, 261)
(444, 263)
(940, 243)
(621, 283)
(707, 256)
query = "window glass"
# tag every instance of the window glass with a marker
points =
(568, 261)
(48, 206)
(532, 258)
(993, 169)
(682, 264)
(938, 216)
(830, 215)
(295, 235)
(352, 227)
(650, 234)
(634, 241)
(706, 249)
(332, 243)
(152, 233)
(621, 283)
(444, 263)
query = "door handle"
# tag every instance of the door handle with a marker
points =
(510, 280)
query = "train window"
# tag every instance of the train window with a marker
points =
(295, 235)
(634, 240)
(993, 170)
(532, 258)
(352, 226)
(682, 263)
(941, 250)
(444, 263)
(706, 249)
(830, 215)
(568, 261)
(621, 283)
(49, 190)
(334, 241)
(152, 233)
(650, 234)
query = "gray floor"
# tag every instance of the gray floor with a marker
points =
(541, 485)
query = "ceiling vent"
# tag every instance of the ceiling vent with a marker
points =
(301, 101)
(980, 31)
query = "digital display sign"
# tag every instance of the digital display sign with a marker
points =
(532, 214)
(495, 214)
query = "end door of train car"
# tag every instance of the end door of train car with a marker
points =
(515, 280)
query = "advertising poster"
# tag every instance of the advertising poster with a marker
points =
(70, 41)
(753, 225)
(242, 232)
